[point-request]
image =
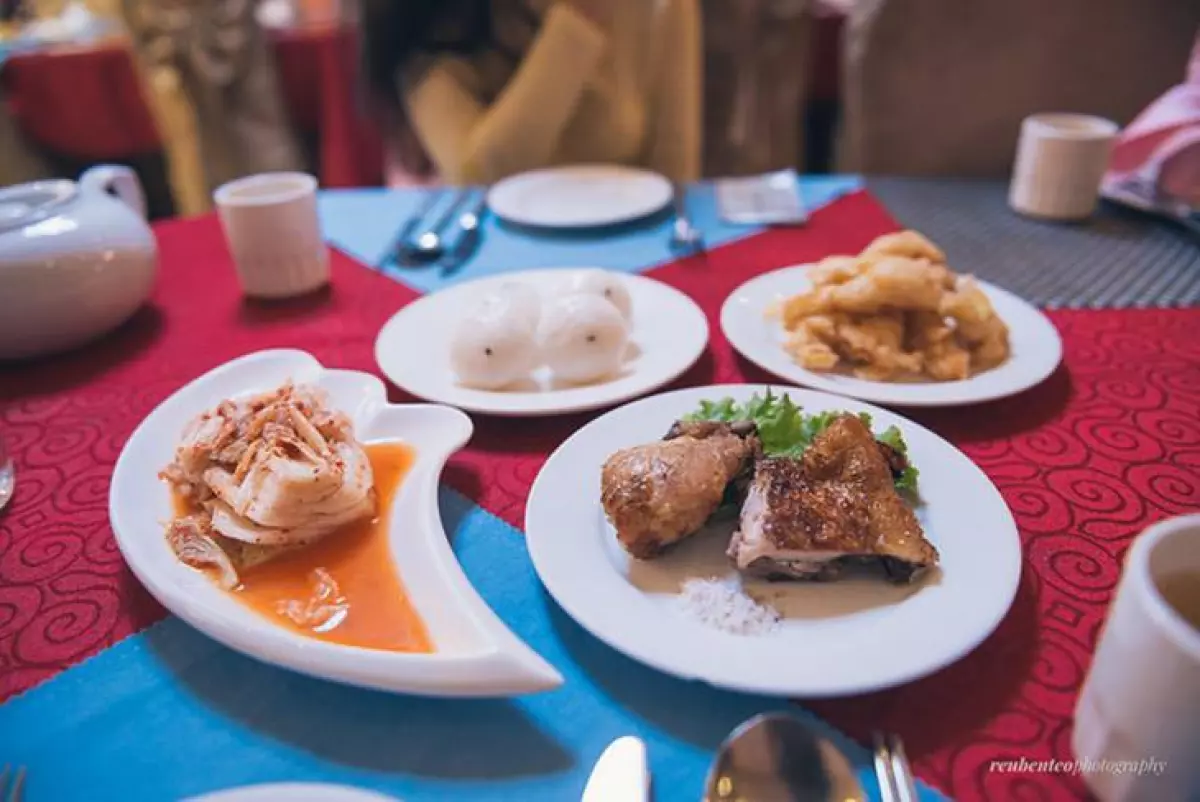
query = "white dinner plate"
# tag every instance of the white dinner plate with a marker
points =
(668, 334)
(293, 792)
(835, 638)
(474, 654)
(1036, 348)
(579, 196)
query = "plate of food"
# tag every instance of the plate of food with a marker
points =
(791, 543)
(893, 325)
(542, 342)
(290, 512)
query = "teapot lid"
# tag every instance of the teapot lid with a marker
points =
(23, 204)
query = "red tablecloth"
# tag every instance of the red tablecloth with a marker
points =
(87, 102)
(1108, 445)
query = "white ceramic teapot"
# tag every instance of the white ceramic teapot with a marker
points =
(75, 261)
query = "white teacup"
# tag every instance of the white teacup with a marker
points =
(1061, 159)
(271, 224)
(1137, 723)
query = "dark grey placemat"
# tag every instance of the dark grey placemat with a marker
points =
(1118, 259)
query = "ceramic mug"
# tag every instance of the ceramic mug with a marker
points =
(271, 225)
(1137, 723)
(1061, 159)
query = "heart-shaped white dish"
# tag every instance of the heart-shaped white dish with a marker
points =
(475, 654)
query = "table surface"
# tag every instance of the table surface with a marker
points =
(1121, 258)
(1107, 445)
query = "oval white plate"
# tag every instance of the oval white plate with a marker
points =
(668, 334)
(579, 196)
(475, 654)
(1036, 348)
(836, 638)
(293, 792)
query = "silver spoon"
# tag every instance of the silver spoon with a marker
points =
(685, 238)
(777, 757)
(429, 245)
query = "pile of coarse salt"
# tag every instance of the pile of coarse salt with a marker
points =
(721, 603)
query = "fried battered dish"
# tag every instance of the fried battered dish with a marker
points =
(660, 493)
(894, 312)
(265, 475)
(835, 506)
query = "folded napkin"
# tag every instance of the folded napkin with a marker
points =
(1155, 164)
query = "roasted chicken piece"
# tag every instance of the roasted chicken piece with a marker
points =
(891, 282)
(930, 335)
(970, 309)
(992, 348)
(811, 343)
(837, 270)
(660, 493)
(835, 506)
(905, 243)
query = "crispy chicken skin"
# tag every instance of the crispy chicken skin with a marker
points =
(894, 312)
(660, 493)
(836, 505)
(909, 243)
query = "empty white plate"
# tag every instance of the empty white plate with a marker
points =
(293, 792)
(475, 655)
(836, 638)
(582, 196)
(667, 334)
(1035, 345)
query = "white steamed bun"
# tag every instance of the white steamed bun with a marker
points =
(606, 284)
(522, 300)
(582, 337)
(496, 343)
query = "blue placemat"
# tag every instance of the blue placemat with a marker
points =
(364, 223)
(169, 713)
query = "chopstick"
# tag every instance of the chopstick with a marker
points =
(896, 783)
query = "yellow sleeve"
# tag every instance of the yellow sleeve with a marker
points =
(473, 143)
(676, 92)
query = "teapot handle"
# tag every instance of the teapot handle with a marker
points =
(113, 178)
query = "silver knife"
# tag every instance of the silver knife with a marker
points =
(621, 773)
(471, 224)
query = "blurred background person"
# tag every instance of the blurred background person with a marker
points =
(758, 75)
(489, 89)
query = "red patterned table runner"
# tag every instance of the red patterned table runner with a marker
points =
(1108, 445)
(65, 592)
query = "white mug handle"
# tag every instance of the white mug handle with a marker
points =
(113, 178)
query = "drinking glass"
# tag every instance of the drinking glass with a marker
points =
(7, 477)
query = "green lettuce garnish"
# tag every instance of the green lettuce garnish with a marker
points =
(907, 481)
(786, 431)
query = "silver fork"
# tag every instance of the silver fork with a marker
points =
(12, 793)
(896, 783)
(685, 238)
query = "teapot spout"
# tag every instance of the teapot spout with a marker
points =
(115, 179)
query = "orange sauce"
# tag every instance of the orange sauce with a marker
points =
(373, 610)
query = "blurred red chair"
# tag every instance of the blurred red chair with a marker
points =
(86, 103)
(81, 102)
